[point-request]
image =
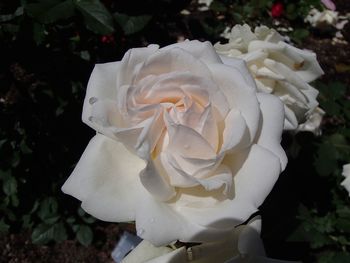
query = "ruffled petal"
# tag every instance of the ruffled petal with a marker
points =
(106, 180)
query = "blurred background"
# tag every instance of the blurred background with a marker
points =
(48, 49)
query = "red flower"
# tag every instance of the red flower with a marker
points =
(108, 39)
(277, 10)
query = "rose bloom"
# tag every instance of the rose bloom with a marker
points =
(185, 146)
(280, 69)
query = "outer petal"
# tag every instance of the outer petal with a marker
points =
(260, 166)
(102, 85)
(201, 50)
(272, 126)
(106, 180)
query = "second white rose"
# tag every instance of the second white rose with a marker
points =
(279, 69)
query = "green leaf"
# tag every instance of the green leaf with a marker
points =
(97, 17)
(48, 209)
(47, 12)
(10, 186)
(131, 24)
(85, 235)
(44, 233)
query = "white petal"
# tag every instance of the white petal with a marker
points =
(252, 183)
(106, 180)
(201, 50)
(311, 69)
(221, 177)
(249, 241)
(239, 94)
(272, 126)
(155, 182)
(235, 132)
(102, 85)
(239, 65)
(132, 62)
(157, 222)
(188, 143)
(175, 59)
(244, 32)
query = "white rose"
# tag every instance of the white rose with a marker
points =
(346, 174)
(322, 19)
(242, 245)
(278, 68)
(185, 147)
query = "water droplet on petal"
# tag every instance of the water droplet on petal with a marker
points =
(152, 220)
(92, 100)
(186, 146)
(91, 118)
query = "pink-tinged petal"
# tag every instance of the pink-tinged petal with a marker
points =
(102, 85)
(239, 94)
(132, 62)
(173, 60)
(270, 134)
(106, 180)
(200, 50)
